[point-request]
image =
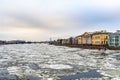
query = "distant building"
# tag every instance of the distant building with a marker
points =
(16, 42)
(70, 41)
(75, 40)
(87, 38)
(2, 42)
(80, 41)
(59, 41)
(114, 39)
(118, 31)
(65, 41)
(100, 38)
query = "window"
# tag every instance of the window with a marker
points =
(112, 44)
(116, 37)
(106, 37)
(116, 40)
(102, 42)
(116, 44)
(97, 42)
(97, 37)
(106, 42)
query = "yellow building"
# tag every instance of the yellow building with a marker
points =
(79, 39)
(87, 38)
(100, 38)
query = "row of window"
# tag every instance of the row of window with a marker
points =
(114, 40)
(100, 42)
(114, 36)
(114, 44)
(98, 37)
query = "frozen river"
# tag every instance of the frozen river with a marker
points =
(49, 62)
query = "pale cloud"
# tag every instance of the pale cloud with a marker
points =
(42, 19)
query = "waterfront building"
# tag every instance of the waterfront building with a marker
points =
(16, 42)
(87, 38)
(2, 42)
(114, 39)
(80, 39)
(76, 40)
(70, 41)
(65, 41)
(73, 40)
(59, 41)
(100, 38)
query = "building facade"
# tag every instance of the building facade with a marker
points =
(100, 38)
(73, 41)
(59, 41)
(2, 42)
(70, 40)
(65, 41)
(80, 39)
(114, 39)
(87, 38)
(76, 40)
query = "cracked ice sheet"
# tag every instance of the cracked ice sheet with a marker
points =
(17, 57)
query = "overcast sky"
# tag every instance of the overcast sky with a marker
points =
(38, 20)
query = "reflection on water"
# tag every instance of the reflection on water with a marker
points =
(49, 62)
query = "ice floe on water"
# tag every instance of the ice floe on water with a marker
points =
(116, 78)
(59, 66)
(49, 62)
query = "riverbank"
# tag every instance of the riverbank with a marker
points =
(92, 47)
